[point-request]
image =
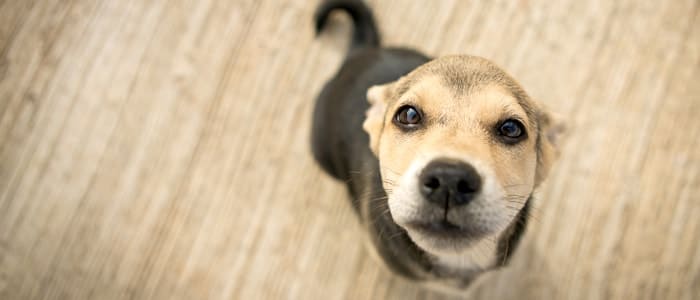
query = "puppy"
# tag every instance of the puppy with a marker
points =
(441, 157)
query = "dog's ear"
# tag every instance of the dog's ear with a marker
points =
(378, 96)
(551, 132)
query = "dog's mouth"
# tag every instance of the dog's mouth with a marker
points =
(443, 236)
(442, 229)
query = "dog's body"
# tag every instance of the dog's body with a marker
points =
(380, 173)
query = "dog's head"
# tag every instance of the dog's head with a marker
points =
(461, 148)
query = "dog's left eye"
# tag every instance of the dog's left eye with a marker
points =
(511, 130)
(407, 116)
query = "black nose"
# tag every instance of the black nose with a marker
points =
(449, 183)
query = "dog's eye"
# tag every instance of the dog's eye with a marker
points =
(511, 130)
(407, 116)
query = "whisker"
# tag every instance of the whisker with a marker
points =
(528, 215)
(395, 235)
(505, 253)
(514, 185)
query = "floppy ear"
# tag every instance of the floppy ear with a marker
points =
(551, 131)
(378, 96)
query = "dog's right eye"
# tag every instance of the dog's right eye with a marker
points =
(407, 116)
(512, 131)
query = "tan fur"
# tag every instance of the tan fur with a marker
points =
(462, 99)
(485, 101)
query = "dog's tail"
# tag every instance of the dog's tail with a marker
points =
(365, 32)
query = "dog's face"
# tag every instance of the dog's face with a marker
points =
(461, 148)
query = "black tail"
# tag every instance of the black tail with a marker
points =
(365, 32)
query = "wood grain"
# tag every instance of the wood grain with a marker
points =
(159, 149)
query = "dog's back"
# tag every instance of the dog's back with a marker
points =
(338, 142)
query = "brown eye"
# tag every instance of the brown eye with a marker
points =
(512, 131)
(407, 116)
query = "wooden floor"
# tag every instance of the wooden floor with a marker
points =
(159, 149)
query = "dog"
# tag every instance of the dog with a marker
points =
(440, 156)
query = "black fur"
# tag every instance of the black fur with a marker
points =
(365, 33)
(341, 146)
